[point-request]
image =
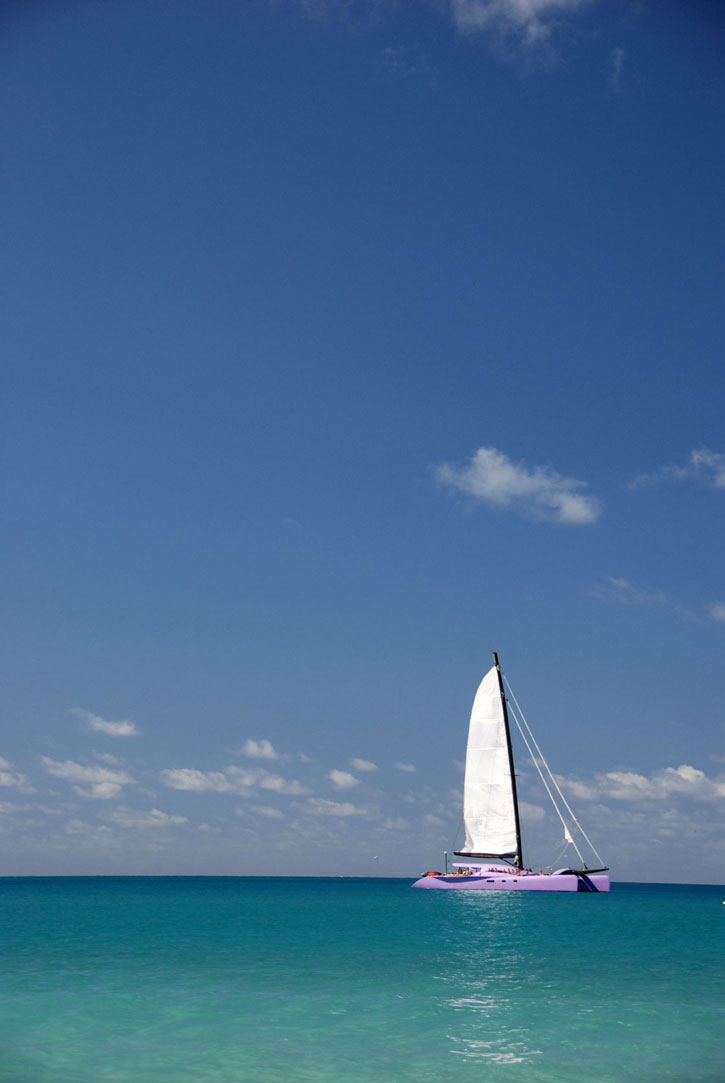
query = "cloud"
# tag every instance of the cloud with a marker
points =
(398, 61)
(189, 778)
(701, 465)
(100, 725)
(582, 791)
(531, 813)
(288, 786)
(395, 823)
(239, 780)
(319, 806)
(85, 833)
(530, 21)
(363, 765)
(268, 811)
(11, 777)
(685, 780)
(492, 478)
(668, 782)
(109, 758)
(625, 593)
(101, 783)
(615, 78)
(131, 818)
(407, 768)
(717, 612)
(342, 780)
(259, 750)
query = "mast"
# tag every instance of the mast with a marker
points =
(519, 853)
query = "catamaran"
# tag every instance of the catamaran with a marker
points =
(492, 848)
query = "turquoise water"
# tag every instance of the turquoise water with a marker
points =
(221, 980)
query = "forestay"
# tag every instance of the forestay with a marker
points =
(488, 800)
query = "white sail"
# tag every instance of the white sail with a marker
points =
(488, 800)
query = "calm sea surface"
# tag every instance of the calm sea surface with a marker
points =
(136, 980)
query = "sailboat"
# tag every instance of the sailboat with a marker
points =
(492, 849)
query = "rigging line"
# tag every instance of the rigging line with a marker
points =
(563, 851)
(564, 824)
(553, 779)
(551, 775)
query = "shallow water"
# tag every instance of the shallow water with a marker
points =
(157, 980)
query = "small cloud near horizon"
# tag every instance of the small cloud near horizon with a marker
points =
(342, 780)
(685, 780)
(10, 777)
(232, 779)
(407, 768)
(131, 818)
(259, 750)
(100, 783)
(363, 765)
(321, 806)
(100, 725)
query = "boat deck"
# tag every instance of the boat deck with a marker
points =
(495, 880)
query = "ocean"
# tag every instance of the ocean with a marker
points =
(224, 980)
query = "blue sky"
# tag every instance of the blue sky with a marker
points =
(344, 343)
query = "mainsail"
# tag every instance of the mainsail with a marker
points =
(490, 812)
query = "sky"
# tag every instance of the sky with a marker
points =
(343, 343)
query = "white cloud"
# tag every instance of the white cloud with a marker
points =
(618, 57)
(268, 811)
(189, 778)
(531, 813)
(319, 806)
(582, 791)
(100, 725)
(259, 750)
(492, 478)
(11, 777)
(363, 765)
(529, 20)
(703, 465)
(395, 823)
(88, 781)
(89, 833)
(616, 589)
(623, 592)
(239, 780)
(684, 781)
(407, 768)
(132, 818)
(109, 758)
(288, 786)
(342, 780)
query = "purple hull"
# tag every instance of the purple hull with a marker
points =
(499, 881)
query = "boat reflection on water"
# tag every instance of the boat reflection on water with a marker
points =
(489, 978)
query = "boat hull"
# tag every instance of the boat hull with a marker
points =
(533, 882)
